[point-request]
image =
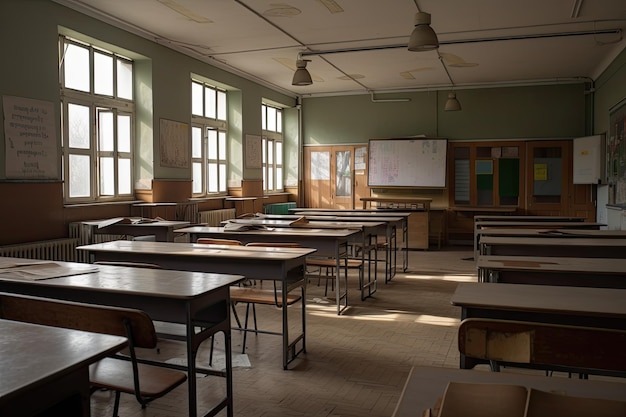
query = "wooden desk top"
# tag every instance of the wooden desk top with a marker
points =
(340, 212)
(32, 355)
(554, 264)
(574, 301)
(552, 241)
(137, 281)
(286, 232)
(425, 385)
(552, 233)
(538, 224)
(158, 223)
(199, 250)
(482, 209)
(312, 224)
(529, 218)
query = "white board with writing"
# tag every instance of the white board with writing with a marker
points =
(30, 139)
(410, 162)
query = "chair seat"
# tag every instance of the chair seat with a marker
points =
(117, 375)
(260, 296)
(352, 263)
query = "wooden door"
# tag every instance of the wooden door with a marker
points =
(550, 190)
(335, 176)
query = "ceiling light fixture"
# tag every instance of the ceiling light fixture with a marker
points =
(423, 37)
(302, 75)
(452, 104)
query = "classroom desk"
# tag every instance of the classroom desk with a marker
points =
(193, 299)
(539, 270)
(481, 226)
(286, 265)
(579, 306)
(393, 220)
(44, 370)
(162, 230)
(369, 231)
(587, 247)
(328, 242)
(526, 218)
(425, 385)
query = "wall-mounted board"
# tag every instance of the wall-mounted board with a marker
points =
(407, 162)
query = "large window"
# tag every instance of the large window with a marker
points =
(97, 122)
(208, 139)
(272, 125)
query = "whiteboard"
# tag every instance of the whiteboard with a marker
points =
(589, 154)
(407, 163)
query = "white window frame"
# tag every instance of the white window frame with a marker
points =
(209, 158)
(273, 150)
(97, 104)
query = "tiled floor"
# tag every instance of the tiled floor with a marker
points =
(356, 364)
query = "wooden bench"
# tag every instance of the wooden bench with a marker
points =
(584, 350)
(119, 374)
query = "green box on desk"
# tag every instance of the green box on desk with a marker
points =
(278, 208)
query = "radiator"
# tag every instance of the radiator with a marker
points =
(53, 250)
(215, 217)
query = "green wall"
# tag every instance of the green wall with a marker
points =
(537, 112)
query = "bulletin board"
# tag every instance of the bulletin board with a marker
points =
(30, 138)
(254, 152)
(410, 162)
(174, 144)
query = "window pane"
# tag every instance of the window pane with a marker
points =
(212, 185)
(279, 152)
(263, 117)
(78, 126)
(279, 121)
(212, 144)
(80, 177)
(196, 142)
(76, 67)
(209, 103)
(123, 133)
(222, 178)
(196, 172)
(221, 105)
(270, 179)
(103, 74)
(279, 178)
(270, 152)
(264, 150)
(222, 145)
(107, 175)
(124, 79)
(271, 119)
(264, 178)
(105, 131)
(196, 99)
(124, 177)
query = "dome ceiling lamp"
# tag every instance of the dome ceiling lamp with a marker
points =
(302, 76)
(452, 103)
(423, 38)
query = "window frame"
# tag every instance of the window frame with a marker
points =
(97, 104)
(273, 146)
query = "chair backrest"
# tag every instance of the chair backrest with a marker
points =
(215, 241)
(574, 347)
(87, 317)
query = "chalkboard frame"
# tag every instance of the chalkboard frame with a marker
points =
(429, 170)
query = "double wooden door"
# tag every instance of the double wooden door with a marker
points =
(335, 176)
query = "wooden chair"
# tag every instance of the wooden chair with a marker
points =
(145, 381)
(583, 350)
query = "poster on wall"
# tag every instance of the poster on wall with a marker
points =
(254, 151)
(30, 138)
(616, 154)
(174, 144)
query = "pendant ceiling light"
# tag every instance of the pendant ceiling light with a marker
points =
(452, 104)
(302, 75)
(423, 37)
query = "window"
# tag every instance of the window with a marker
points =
(272, 124)
(208, 139)
(97, 116)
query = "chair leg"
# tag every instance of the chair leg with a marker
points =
(116, 404)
